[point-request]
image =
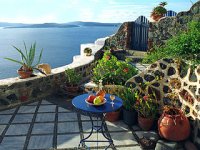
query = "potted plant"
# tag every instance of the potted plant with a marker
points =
(88, 51)
(113, 116)
(27, 60)
(112, 70)
(147, 109)
(72, 81)
(129, 98)
(113, 89)
(173, 124)
(159, 11)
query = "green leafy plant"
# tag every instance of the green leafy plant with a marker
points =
(27, 58)
(128, 95)
(184, 46)
(72, 77)
(146, 106)
(113, 71)
(146, 101)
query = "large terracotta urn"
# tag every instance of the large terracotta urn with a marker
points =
(174, 127)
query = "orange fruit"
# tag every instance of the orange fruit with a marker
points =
(101, 98)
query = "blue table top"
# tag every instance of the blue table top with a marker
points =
(79, 103)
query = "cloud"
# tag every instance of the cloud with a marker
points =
(25, 19)
(86, 15)
(95, 1)
(123, 13)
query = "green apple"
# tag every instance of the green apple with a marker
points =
(97, 100)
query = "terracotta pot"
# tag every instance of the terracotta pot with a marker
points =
(174, 127)
(145, 123)
(24, 74)
(88, 54)
(112, 116)
(156, 17)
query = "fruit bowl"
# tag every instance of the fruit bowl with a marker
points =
(99, 104)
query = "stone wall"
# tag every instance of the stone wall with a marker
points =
(14, 91)
(167, 27)
(122, 39)
(167, 76)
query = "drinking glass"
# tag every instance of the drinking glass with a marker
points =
(112, 97)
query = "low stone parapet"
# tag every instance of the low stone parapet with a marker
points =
(14, 91)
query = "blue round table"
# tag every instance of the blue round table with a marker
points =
(98, 111)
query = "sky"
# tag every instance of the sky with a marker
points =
(62, 11)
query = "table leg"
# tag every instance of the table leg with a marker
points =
(84, 140)
(98, 128)
(106, 135)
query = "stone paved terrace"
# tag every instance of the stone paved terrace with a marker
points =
(52, 124)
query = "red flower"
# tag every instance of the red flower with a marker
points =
(125, 70)
(145, 97)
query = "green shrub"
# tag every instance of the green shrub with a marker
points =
(184, 46)
(113, 71)
(72, 77)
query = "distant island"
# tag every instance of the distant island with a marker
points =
(56, 25)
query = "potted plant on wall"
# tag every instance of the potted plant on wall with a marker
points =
(159, 11)
(88, 51)
(27, 60)
(73, 79)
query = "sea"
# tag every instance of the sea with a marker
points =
(59, 44)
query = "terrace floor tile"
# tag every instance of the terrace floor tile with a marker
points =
(13, 143)
(87, 125)
(9, 111)
(18, 129)
(68, 141)
(68, 127)
(41, 142)
(117, 126)
(2, 128)
(94, 137)
(45, 117)
(67, 117)
(47, 108)
(45, 102)
(43, 128)
(23, 118)
(60, 109)
(87, 118)
(33, 104)
(4, 119)
(123, 138)
(27, 109)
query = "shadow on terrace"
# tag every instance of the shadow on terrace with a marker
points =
(160, 102)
